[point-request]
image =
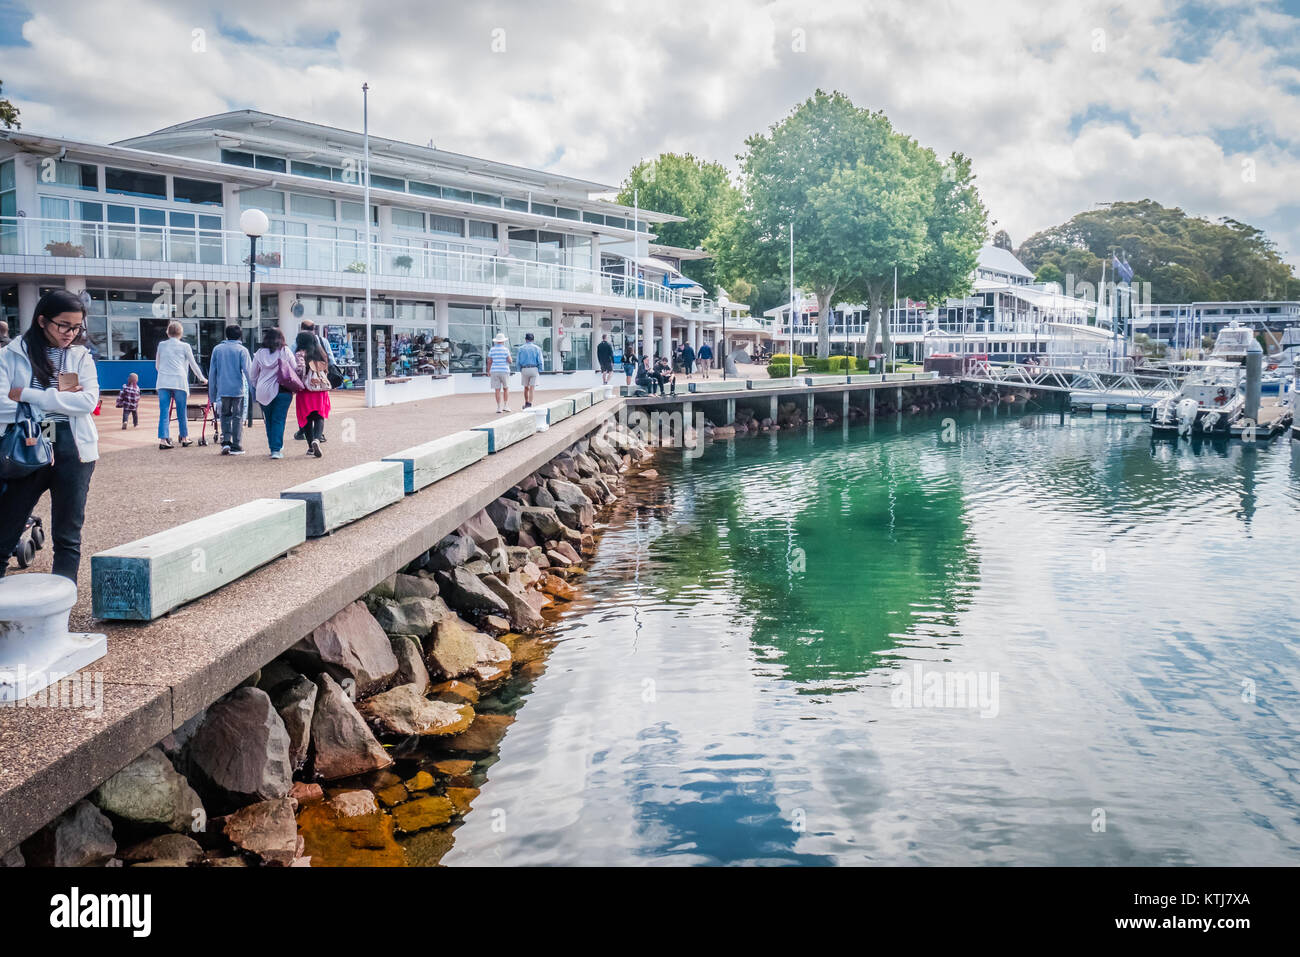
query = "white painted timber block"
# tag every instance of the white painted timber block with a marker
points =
(424, 464)
(777, 383)
(149, 577)
(340, 497)
(36, 650)
(858, 378)
(581, 400)
(508, 429)
(597, 394)
(717, 385)
(826, 380)
(558, 410)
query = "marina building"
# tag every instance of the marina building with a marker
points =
(148, 230)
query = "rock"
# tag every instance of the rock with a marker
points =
(267, 829)
(173, 848)
(362, 841)
(481, 529)
(525, 539)
(226, 862)
(411, 616)
(149, 791)
(240, 753)
(544, 521)
(495, 625)
(466, 593)
(529, 573)
(527, 650)
(576, 517)
(479, 567)
(506, 515)
(493, 658)
(422, 812)
(405, 711)
(295, 704)
(393, 794)
(13, 858)
(342, 745)
(453, 653)
(82, 837)
(386, 588)
(413, 586)
(354, 803)
(652, 474)
(555, 558)
(483, 735)
(516, 556)
(458, 771)
(350, 645)
(587, 546)
(455, 549)
(567, 492)
(176, 743)
(276, 675)
(305, 793)
(558, 588)
(459, 691)
(521, 614)
(422, 781)
(410, 663)
(567, 551)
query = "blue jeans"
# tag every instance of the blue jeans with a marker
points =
(165, 399)
(274, 415)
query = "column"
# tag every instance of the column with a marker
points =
(647, 333)
(28, 296)
(666, 346)
(557, 320)
(287, 320)
(442, 317)
(597, 330)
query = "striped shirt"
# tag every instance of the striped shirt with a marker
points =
(499, 358)
(58, 359)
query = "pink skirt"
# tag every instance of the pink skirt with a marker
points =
(308, 402)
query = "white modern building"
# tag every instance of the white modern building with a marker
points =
(1186, 325)
(461, 248)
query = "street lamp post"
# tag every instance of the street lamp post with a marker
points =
(254, 224)
(724, 303)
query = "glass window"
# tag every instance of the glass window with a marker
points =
(128, 182)
(78, 175)
(566, 213)
(237, 158)
(425, 189)
(7, 175)
(272, 163)
(463, 195)
(518, 205)
(152, 217)
(196, 191)
(302, 205)
(387, 182)
(125, 341)
(446, 225)
(486, 199)
(121, 214)
(482, 230)
(93, 212)
(267, 200)
(408, 219)
(52, 208)
(575, 342)
(593, 218)
(314, 170)
(468, 336)
(350, 212)
(616, 222)
(544, 209)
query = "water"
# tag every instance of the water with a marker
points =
(725, 693)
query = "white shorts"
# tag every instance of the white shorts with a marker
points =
(528, 376)
(500, 380)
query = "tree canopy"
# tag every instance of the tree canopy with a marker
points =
(684, 186)
(8, 112)
(1185, 258)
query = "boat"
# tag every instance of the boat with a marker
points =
(1212, 398)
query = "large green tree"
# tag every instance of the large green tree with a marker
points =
(8, 112)
(1185, 258)
(683, 185)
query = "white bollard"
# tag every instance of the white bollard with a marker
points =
(36, 649)
(609, 391)
(541, 414)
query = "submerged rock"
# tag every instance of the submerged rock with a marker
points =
(350, 645)
(173, 848)
(459, 691)
(404, 711)
(483, 735)
(240, 753)
(342, 745)
(353, 803)
(422, 812)
(149, 791)
(266, 829)
(521, 614)
(332, 840)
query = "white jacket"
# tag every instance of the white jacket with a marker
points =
(79, 407)
(171, 360)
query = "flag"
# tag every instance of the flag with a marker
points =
(1122, 269)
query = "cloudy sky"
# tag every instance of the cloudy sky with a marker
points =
(1195, 104)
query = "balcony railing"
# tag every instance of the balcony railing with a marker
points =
(170, 244)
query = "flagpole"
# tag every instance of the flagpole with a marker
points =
(636, 288)
(891, 345)
(792, 298)
(365, 150)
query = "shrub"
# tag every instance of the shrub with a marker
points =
(778, 367)
(842, 364)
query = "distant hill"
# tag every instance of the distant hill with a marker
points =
(1185, 258)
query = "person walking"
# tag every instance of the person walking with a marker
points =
(309, 325)
(312, 404)
(48, 373)
(705, 357)
(688, 359)
(128, 400)
(605, 356)
(629, 364)
(275, 380)
(499, 371)
(173, 361)
(230, 373)
(530, 367)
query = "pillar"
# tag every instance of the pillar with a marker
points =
(731, 412)
(871, 404)
(775, 406)
(647, 334)
(693, 334)
(288, 321)
(846, 404)
(812, 405)
(28, 296)
(666, 346)
(442, 317)
(75, 284)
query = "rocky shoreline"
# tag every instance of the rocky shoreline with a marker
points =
(364, 742)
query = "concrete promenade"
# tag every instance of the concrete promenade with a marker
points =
(158, 674)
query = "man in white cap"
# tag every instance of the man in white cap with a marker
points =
(499, 370)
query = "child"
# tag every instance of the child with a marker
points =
(128, 400)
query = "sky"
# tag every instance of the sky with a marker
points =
(1192, 104)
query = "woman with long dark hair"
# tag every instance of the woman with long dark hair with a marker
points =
(49, 369)
(313, 402)
(274, 383)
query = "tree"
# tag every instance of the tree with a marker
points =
(702, 192)
(8, 112)
(1049, 272)
(1002, 239)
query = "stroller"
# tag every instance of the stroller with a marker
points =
(25, 550)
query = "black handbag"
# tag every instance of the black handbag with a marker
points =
(335, 375)
(24, 447)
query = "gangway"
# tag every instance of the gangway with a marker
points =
(1093, 387)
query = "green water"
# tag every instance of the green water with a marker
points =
(750, 676)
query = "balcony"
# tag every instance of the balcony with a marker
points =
(338, 261)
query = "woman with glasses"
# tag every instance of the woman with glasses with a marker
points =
(50, 369)
(173, 360)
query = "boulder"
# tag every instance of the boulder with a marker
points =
(525, 539)
(453, 652)
(176, 744)
(455, 549)
(13, 858)
(495, 625)
(521, 614)
(528, 483)
(275, 676)
(351, 645)
(568, 493)
(405, 711)
(544, 520)
(354, 803)
(516, 556)
(267, 829)
(410, 663)
(411, 616)
(414, 586)
(461, 692)
(240, 753)
(174, 849)
(483, 735)
(530, 574)
(567, 551)
(82, 837)
(576, 517)
(422, 812)
(542, 497)
(295, 704)
(342, 745)
(466, 593)
(482, 530)
(306, 793)
(505, 515)
(493, 658)
(149, 791)
(558, 588)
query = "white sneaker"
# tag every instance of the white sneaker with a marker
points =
(507, 409)
(277, 455)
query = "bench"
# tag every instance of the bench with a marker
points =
(508, 429)
(340, 497)
(144, 579)
(424, 464)
(558, 410)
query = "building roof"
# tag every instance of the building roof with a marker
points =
(997, 259)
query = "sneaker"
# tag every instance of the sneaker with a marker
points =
(507, 409)
(528, 405)
(277, 454)
(236, 450)
(321, 439)
(225, 450)
(315, 449)
(300, 435)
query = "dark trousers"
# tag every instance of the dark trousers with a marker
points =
(67, 481)
(131, 414)
(315, 427)
(232, 421)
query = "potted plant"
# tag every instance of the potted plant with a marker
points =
(66, 249)
(403, 263)
(268, 259)
(357, 266)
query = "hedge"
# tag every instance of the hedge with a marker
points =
(779, 366)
